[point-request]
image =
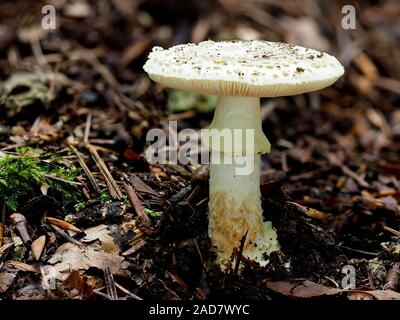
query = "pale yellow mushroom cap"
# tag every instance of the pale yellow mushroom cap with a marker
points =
(252, 68)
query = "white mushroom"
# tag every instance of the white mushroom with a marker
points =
(239, 73)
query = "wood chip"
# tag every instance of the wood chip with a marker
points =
(38, 246)
(140, 186)
(63, 224)
(86, 170)
(111, 184)
(136, 204)
(22, 266)
(140, 244)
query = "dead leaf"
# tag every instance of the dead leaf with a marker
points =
(38, 246)
(359, 296)
(374, 295)
(100, 233)
(22, 266)
(71, 257)
(140, 186)
(138, 245)
(76, 281)
(5, 247)
(305, 289)
(309, 289)
(6, 280)
(63, 224)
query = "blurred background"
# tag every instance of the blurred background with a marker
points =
(99, 47)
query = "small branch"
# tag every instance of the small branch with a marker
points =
(21, 225)
(395, 232)
(65, 235)
(110, 284)
(138, 245)
(333, 159)
(240, 252)
(111, 184)
(86, 170)
(127, 292)
(136, 204)
(87, 129)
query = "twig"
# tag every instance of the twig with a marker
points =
(193, 194)
(240, 252)
(111, 184)
(140, 244)
(370, 280)
(87, 128)
(199, 252)
(2, 225)
(65, 235)
(136, 204)
(127, 292)
(359, 251)
(395, 232)
(86, 170)
(346, 170)
(97, 291)
(53, 177)
(110, 284)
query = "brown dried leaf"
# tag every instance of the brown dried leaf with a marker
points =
(305, 289)
(6, 280)
(76, 281)
(100, 233)
(63, 224)
(140, 186)
(374, 295)
(71, 257)
(309, 289)
(38, 246)
(22, 266)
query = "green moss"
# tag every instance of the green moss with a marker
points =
(152, 214)
(22, 175)
(105, 196)
(180, 101)
(20, 252)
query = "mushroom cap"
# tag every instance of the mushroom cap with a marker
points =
(253, 68)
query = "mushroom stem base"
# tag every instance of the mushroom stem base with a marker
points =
(235, 207)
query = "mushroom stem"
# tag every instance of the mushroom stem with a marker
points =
(235, 197)
(235, 207)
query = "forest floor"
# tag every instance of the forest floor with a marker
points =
(80, 203)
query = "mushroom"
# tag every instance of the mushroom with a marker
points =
(240, 73)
